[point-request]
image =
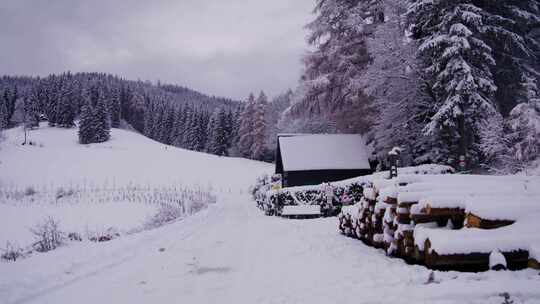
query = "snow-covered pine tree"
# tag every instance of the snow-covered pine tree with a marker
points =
(186, 125)
(510, 31)
(218, 140)
(10, 98)
(234, 131)
(245, 131)
(177, 128)
(203, 135)
(52, 88)
(116, 107)
(193, 134)
(149, 113)
(333, 70)
(65, 106)
(86, 120)
(31, 112)
(458, 66)
(3, 114)
(393, 80)
(210, 130)
(258, 148)
(222, 136)
(101, 119)
(524, 125)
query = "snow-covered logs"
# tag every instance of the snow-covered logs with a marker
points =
(451, 221)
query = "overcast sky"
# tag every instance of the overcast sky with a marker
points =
(219, 47)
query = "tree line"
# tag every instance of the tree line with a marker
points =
(443, 79)
(170, 114)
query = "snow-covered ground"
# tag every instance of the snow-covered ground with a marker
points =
(227, 253)
(86, 219)
(128, 158)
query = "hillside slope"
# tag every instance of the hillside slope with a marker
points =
(128, 158)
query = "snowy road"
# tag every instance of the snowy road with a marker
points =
(231, 253)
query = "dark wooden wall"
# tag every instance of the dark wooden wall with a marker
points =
(316, 177)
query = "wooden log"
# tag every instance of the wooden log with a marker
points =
(406, 204)
(474, 221)
(474, 261)
(441, 212)
(391, 200)
(534, 264)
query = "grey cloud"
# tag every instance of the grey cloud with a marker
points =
(219, 47)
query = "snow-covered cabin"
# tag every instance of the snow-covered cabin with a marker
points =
(310, 159)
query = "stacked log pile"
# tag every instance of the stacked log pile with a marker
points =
(423, 224)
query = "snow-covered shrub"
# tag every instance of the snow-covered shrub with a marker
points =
(103, 236)
(29, 191)
(48, 235)
(165, 214)
(61, 192)
(345, 193)
(74, 236)
(11, 252)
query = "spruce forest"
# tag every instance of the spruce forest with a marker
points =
(439, 79)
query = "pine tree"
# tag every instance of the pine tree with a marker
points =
(31, 112)
(222, 134)
(3, 114)
(177, 128)
(459, 62)
(116, 107)
(245, 131)
(86, 121)
(203, 131)
(211, 130)
(101, 119)
(334, 69)
(65, 107)
(258, 148)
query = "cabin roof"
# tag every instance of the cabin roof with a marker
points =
(301, 152)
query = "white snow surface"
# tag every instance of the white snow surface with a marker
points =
(323, 151)
(127, 158)
(227, 253)
(84, 219)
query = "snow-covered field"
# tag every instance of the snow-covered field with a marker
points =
(227, 253)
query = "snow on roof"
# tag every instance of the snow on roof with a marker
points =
(323, 152)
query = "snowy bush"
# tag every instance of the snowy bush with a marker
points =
(29, 191)
(61, 192)
(164, 215)
(48, 235)
(103, 236)
(273, 201)
(74, 236)
(12, 252)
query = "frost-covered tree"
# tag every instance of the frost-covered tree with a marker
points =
(102, 120)
(245, 131)
(514, 144)
(258, 148)
(4, 121)
(330, 83)
(273, 113)
(116, 107)
(31, 112)
(512, 28)
(459, 66)
(401, 103)
(66, 105)
(217, 134)
(86, 121)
